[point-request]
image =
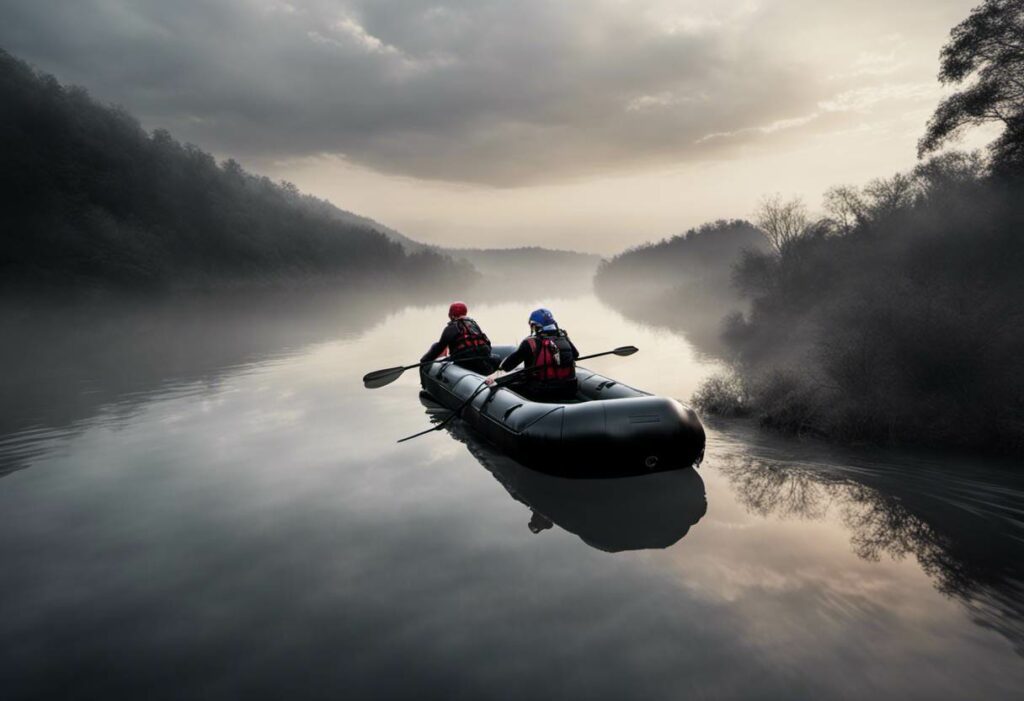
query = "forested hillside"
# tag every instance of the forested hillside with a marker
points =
(530, 270)
(89, 198)
(898, 317)
(702, 258)
(683, 282)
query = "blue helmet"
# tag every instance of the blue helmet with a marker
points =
(541, 317)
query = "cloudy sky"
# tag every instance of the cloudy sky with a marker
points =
(588, 124)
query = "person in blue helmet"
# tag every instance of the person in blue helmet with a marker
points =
(550, 359)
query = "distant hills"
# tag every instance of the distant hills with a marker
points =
(500, 269)
(357, 220)
(701, 258)
(683, 282)
(536, 271)
(89, 198)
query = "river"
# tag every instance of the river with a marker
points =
(200, 500)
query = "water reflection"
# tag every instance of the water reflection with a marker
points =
(613, 515)
(700, 320)
(257, 533)
(65, 364)
(961, 522)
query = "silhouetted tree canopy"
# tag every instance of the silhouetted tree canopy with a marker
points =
(900, 316)
(782, 222)
(987, 47)
(900, 320)
(88, 197)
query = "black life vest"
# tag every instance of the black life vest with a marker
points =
(552, 354)
(469, 339)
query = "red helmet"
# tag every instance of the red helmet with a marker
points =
(457, 309)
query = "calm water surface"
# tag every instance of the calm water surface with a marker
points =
(201, 501)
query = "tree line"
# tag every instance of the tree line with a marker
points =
(89, 198)
(897, 315)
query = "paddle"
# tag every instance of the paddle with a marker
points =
(622, 351)
(379, 378)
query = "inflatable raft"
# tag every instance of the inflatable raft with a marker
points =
(611, 429)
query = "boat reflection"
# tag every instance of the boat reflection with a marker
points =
(609, 514)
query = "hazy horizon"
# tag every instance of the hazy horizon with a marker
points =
(586, 126)
(247, 452)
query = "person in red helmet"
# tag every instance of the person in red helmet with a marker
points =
(466, 343)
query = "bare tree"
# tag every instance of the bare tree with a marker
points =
(782, 222)
(846, 207)
(886, 196)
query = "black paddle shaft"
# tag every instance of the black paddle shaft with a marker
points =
(620, 351)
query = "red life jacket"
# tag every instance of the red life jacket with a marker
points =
(470, 338)
(553, 355)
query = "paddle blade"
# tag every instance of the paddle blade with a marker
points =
(379, 378)
(625, 350)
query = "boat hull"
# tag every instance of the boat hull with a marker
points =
(614, 430)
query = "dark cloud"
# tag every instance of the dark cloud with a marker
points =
(499, 92)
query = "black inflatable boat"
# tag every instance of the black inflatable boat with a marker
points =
(611, 429)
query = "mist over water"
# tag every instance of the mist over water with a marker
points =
(200, 499)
